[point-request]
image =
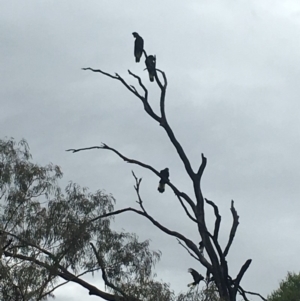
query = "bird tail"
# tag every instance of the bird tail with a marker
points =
(151, 76)
(161, 187)
(137, 59)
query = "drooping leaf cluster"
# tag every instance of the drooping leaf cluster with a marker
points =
(51, 231)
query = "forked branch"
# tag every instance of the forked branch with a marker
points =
(216, 233)
(179, 236)
(188, 242)
(132, 89)
(243, 293)
(161, 86)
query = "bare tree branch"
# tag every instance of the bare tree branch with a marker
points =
(185, 209)
(164, 77)
(165, 125)
(163, 121)
(151, 113)
(132, 161)
(243, 294)
(140, 83)
(242, 271)
(178, 148)
(202, 167)
(187, 250)
(218, 218)
(240, 275)
(100, 71)
(138, 182)
(254, 294)
(163, 89)
(115, 213)
(73, 150)
(132, 89)
(144, 99)
(219, 250)
(188, 242)
(233, 228)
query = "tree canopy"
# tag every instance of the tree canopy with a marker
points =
(289, 289)
(47, 234)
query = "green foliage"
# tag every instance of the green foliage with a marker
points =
(52, 231)
(149, 289)
(207, 293)
(152, 291)
(289, 289)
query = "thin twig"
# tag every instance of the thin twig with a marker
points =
(140, 83)
(243, 294)
(255, 294)
(185, 209)
(187, 250)
(132, 89)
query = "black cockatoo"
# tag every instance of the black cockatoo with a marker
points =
(196, 276)
(138, 46)
(150, 64)
(164, 174)
(201, 247)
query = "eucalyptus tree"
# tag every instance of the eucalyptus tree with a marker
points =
(49, 238)
(288, 290)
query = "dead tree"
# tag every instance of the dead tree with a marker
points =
(194, 206)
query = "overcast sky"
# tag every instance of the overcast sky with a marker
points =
(233, 69)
